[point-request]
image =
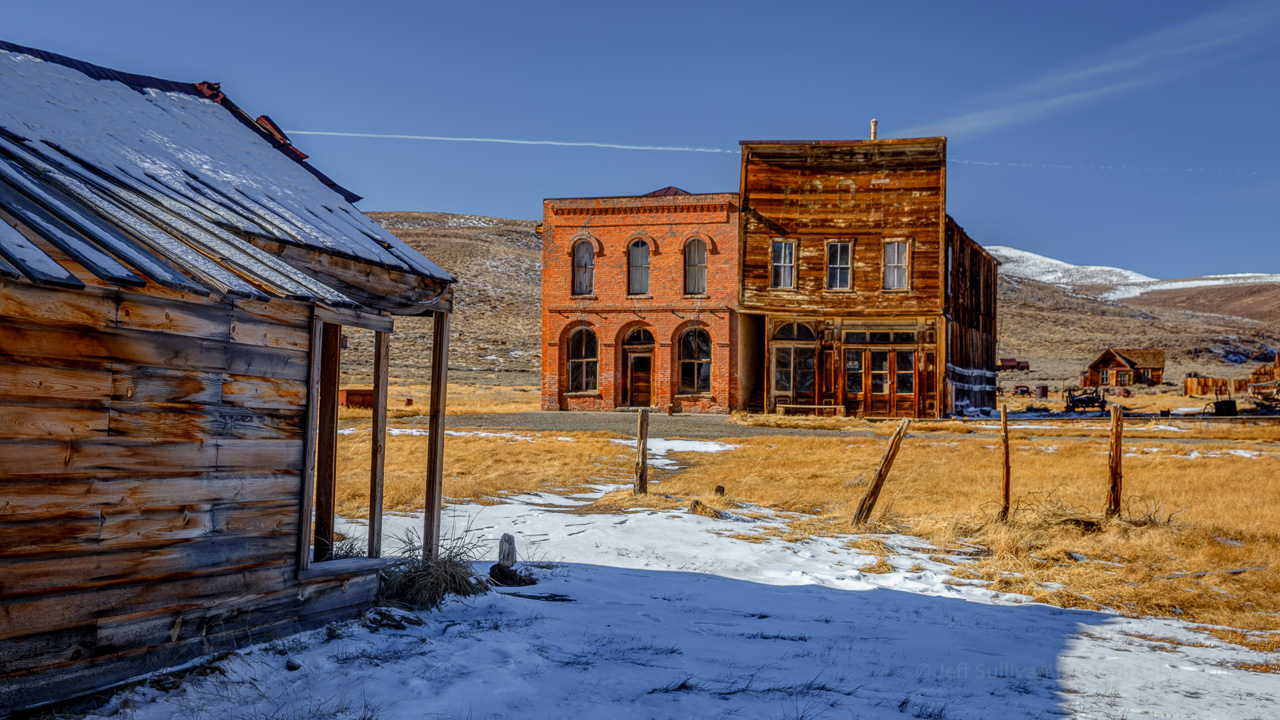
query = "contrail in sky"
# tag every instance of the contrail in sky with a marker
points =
(509, 141)
(1148, 61)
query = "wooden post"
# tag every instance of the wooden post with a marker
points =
(507, 550)
(327, 440)
(1004, 435)
(435, 430)
(1116, 458)
(381, 360)
(868, 502)
(305, 527)
(642, 453)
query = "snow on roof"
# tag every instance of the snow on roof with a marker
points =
(161, 175)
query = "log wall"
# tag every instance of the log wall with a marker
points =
(151, 446)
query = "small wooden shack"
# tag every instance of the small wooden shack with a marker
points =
(174, 279)
(1122, 368)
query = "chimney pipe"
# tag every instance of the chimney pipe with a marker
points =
(873, 128)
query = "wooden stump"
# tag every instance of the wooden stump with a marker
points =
(642, 454)
(868, 502)
(507, 550)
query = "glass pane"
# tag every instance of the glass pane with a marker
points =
(853, 371)
(879, 381)
(786, 332)
(880, 338)
(688, 377)
(906, 384)
(588, 344)
(590, 370)
(704, 345)
(879, 362)
(704, 377)
(804, 332)
(782, 369)
(855, 337)
(906, 361)
(639, 336)
(575, 376)
(904, 338)
(639, 276)
(804, 370)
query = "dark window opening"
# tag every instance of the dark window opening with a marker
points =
(583, 359)
(584, 264)
(638, 262)
(695, 267)
(695, 362)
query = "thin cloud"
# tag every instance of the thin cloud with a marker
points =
(1148, 61)
(509, 141)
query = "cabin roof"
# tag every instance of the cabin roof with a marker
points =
(666, 192)
(1137, 359)
(139, 178)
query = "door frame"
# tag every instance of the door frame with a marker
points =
(630, 372)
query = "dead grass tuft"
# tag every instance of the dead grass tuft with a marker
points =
(879, 567)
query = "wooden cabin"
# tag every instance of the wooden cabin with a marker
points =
(1122, 368)
(174, 280)
(859, 294)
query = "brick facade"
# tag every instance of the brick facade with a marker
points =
(665, 223)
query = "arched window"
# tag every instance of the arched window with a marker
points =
(584, 265)
(695, 267)
(695, 361)
(638, 261)
(795, 331)
(639, 336)
(582, 361)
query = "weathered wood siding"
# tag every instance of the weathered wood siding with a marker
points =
(151, 445)
(865, 193)
(969, 287)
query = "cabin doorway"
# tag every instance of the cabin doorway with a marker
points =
(637, 358)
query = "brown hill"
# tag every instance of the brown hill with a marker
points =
(1221, 331)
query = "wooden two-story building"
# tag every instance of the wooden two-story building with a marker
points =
(858, 292)
(834, 281)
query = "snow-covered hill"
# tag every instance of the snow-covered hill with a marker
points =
(1107, 283)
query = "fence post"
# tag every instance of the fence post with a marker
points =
(642, 453)
(1004, 435)
(1116, 458)
(868, 501)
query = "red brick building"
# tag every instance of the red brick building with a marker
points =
(639, 302)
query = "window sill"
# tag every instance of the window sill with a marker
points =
(843, 291)
(347, 566)
(696, 296)
(695, 396)
(582, 297)
(583, 394)
(896, 291)
(640, 296)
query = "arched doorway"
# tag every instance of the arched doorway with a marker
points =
(637, 364)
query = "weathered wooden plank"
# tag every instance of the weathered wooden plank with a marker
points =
(91, 307)
(305, 507)
(141, 312)
(24, 577)
(56, 457)
(161, 387)
(38, 267)
(28, 383)
(168, 426)
(35, 493)
(250, 424)
(48, 648)
(268, 334)
(48, 611)
(278, 311)
(265, 393)
(377, 459)
(28, 421)
(258, 455)
(150, 349)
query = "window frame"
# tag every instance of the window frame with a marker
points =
(848, 266)
(696, 362)
(905, 265)
(695, 242)
(632, 267)
(590, 268)
(586, 362)
(773, 266)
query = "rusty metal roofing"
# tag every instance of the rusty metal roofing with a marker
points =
(138, 178)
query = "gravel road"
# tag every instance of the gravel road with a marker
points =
(690, 425)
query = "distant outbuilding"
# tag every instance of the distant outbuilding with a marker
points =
(1122, 368)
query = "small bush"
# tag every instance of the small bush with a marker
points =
(410, 581)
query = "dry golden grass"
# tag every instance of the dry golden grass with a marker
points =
(1181, 515)
(476, 468)
(462, 400)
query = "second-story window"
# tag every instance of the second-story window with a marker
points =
(638, 270)
(584, 265)
(897, 265)
(695, 267)
(783, 264)
(838, 266)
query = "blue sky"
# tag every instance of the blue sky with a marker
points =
(1141, 135)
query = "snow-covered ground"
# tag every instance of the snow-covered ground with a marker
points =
(663, 614)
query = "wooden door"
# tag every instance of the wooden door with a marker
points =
(880, 384)
(639, 380)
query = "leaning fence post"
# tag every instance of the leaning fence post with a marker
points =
(873, 492)
(642, 453)
(1115, 459)
(1004, 436)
